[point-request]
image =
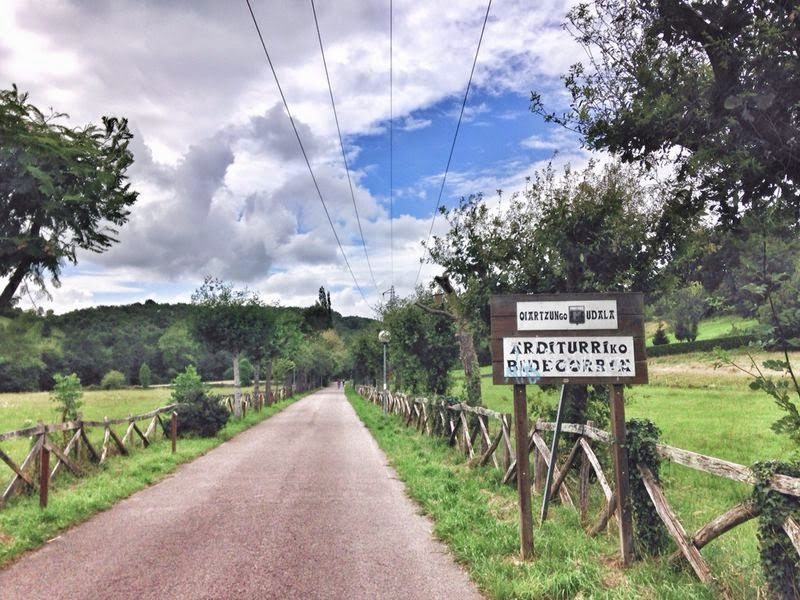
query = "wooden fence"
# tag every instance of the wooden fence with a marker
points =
(257, 402)
(452, 422)
(44, 443)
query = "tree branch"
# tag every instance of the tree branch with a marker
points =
(435, 311)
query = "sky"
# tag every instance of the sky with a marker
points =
(223, 187)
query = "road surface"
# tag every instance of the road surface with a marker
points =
(302, 505)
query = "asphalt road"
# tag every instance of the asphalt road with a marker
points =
(301, 506)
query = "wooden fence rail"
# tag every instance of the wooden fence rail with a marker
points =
(44, 443)
(451, 421)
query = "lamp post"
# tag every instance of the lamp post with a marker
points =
(384, 337)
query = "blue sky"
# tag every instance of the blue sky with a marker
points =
(223, 189)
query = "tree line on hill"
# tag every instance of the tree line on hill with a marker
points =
(308, 344)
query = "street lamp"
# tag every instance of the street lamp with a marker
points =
(384, 337)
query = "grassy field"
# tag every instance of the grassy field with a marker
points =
(708, 329)
(23, 525)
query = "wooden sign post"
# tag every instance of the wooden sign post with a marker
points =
(570, 339)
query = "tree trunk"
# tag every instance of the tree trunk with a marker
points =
(237, 388)
(469, 360)
(13, 283)
(268, 380)
(256, 400)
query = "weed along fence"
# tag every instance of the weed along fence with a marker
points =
(580, 477)
(34, 471)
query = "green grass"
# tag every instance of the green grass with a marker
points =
(477, 517)
(707, 329)
(707, 410)
(24, 526)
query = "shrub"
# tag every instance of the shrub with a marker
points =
(726, 343)
(113, 380)
(67, 393)
(187, 385)
(660, 338)
(145, 376)
(201, 414)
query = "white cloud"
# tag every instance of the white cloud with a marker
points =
(223, 186)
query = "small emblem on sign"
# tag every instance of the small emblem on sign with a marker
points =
(577, 315)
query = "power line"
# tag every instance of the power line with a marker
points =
(455, 137)
(302, 149)
(341, 145)
(391, 139)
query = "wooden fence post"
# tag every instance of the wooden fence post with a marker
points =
(583, 489)
(173, 431)
(44, 471)
(523, 471)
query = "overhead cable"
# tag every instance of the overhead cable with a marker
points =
(303, 150)
(453, 145)
(341, 145)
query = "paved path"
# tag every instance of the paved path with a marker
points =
(301, 506)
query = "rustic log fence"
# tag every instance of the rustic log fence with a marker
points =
(257, 401)
(450, 420)
(76, 448)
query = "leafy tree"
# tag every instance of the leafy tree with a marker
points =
(113, 380)
(60, 190)
(711, 87)
(364, 361)
(21, 360)
(145, 376)
(423, 346)
(232, 320)
(67, 393)
(592, 231)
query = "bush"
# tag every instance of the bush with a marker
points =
(660, 338)
(199, 413)
(187, 385)
(202, 415)
(113, 380)
(725, 343)
(67, 393)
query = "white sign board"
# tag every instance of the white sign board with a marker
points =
(568, 357)
(567, 315)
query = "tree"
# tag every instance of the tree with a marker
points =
(593, 231)
(320, 315)
(145, 376)
(685, 307)
(178, 348)
(712, 87)
(61, 190)
(232, 320)
(423, 345)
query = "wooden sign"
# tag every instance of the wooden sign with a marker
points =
(568, 338)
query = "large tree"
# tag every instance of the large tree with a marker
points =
(231, 320)
(61, 189)
(712, 86)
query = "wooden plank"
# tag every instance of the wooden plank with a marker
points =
(490, 451)
(741, 513)
(94, 456)
(674, 527)
(37, 446)
(563, 493)
(465, 430)
(792, 529)
(66, 452)
(707, 464)
(559, 479)
(126, 437)
(598, 470)
(74, 469)
(593, 433)
(605, 517)
(118, 442)
(106, 438)
(13, 466)
(142, 436)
